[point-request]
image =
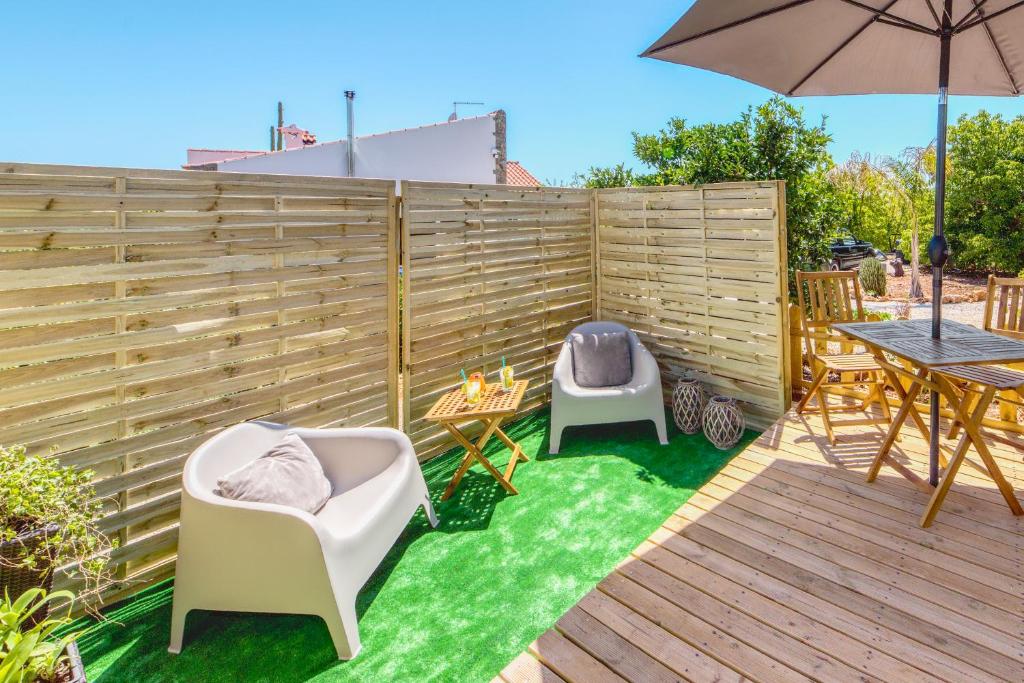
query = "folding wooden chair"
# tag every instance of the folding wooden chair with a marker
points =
(984, 381)
(1004, 314)
(976, 388)
(834, 297)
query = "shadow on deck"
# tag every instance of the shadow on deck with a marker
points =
(788, 566)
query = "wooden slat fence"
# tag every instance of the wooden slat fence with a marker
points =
(141, 311)
(489, 271)
(699, 273)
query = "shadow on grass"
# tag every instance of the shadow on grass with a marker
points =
(672, 464)
(555, 493)
(137, 643)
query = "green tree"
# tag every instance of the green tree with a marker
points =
(913, 173)
(612, 176)
(873, 207)
(768, 142)
(985, 193)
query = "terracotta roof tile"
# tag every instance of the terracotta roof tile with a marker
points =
(515, 174)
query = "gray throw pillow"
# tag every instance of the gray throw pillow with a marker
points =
(288, 474)
(601, 359)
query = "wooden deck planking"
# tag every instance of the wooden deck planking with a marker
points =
(787, 565)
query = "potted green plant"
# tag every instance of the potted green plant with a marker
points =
(33, 650)
(48, 519)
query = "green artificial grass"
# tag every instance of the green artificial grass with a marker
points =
(452, 604)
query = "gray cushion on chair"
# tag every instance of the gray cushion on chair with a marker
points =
(288, 474)
(601, 359)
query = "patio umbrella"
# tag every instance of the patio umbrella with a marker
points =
(857, 47)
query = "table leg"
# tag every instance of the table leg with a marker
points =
(959, 453)
(512, 445)
(464, 466)
(474, 451)
(972, 432)
(897, 386)
(906, 409)
(517, 453)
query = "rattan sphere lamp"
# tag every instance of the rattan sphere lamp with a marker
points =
(688, 401)
(723, 422)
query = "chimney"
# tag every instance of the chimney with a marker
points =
(350, 96)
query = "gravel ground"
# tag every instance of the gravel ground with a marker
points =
(956, 287)
(970, 313)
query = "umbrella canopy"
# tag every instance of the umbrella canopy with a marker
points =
(858, 47)
(847, 47)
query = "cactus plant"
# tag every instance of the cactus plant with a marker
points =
(872, 276)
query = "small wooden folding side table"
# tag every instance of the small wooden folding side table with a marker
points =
(495, 407)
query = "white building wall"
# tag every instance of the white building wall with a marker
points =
(206, 156)
(463, 151)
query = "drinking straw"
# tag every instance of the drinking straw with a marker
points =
(462, 371)
(503, 362)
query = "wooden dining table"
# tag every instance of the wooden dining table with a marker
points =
(959, 345)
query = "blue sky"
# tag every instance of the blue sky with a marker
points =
(136, 83)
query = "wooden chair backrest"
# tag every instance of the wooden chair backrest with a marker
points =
(1004, 306)
(832, 296)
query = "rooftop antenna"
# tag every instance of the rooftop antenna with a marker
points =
(455, 109)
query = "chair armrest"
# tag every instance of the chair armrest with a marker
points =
(561, 375)
(646, 371)
(351, 456)
(240, 527)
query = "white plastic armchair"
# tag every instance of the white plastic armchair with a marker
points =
(640, 399)
(256, 557)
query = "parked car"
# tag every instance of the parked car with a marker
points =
(848, 252)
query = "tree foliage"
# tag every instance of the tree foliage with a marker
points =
(768, 142)
(884, 201)
(985, 193)
(612, 176)
(913, 173)
(872, 205)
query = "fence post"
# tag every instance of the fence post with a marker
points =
(796, 350)
(595, 255)
(785, 310)
(406, 329)
(393, 294)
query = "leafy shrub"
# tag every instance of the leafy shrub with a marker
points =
(772, 141)
(37, 493)
(32, 652)
(984, 211)
(872, 276)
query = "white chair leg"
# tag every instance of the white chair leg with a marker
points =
(556, 439)
(428, 508)
(344, 630)
(659, 423)
(178, 614)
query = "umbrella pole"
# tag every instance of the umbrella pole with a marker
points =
(938, 249)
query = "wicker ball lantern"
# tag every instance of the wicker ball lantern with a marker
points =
(723, 422)
(688, 401)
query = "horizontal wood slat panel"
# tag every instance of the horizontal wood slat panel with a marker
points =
(142, 311)
(490, 271)
(700, 274)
